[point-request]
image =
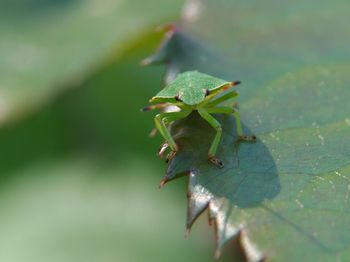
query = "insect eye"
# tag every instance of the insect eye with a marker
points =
(177, 98)
(207, 92)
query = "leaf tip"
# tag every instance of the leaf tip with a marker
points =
(168, 27)
(146, 61)
(187, 232)
(160, 56)
(162, 183)
(217, 254)
(198, 200)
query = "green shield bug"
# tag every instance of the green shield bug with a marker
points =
(203, 93)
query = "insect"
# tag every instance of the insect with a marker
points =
(195, 91)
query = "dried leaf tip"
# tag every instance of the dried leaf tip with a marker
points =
(168, 27)
(188, 232)
(251, 251)
(145, 62)
(217, 254)
(162, 183)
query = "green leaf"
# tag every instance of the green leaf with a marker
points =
(49, 45)
(286, 197)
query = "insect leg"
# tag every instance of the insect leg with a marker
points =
(164, 118)
(214, 146)
(223, 98)
(230, 110)
(222, 89)
(160, 125)
(241, 136)
(162, 149)
(220, 110)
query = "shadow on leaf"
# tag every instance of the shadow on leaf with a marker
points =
(249, 175)
(248, 178)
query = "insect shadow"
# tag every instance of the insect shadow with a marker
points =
(249, 175)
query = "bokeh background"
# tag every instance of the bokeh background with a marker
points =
(78, 173)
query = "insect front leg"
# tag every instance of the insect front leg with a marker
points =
(165, 118)
(227, 98)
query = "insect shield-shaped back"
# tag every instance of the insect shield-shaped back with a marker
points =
(189, 88)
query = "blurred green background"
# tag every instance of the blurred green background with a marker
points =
(78, 173)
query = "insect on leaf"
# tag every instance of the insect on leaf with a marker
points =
(286, 197)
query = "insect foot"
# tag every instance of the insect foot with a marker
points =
(170, 156)
(216, 161)
(162, 149)
(247, 138)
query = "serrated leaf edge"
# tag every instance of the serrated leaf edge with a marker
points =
(200, 199)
